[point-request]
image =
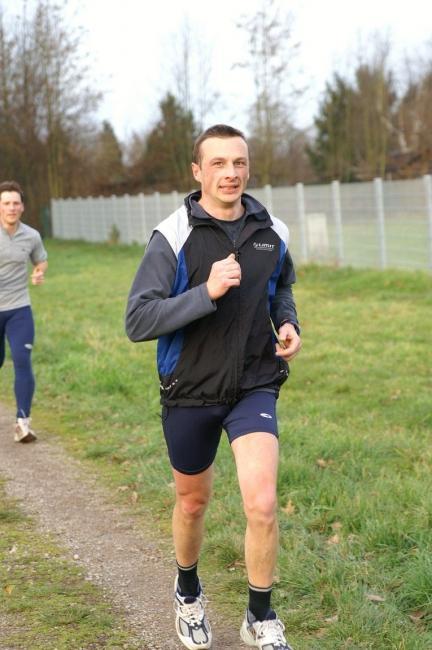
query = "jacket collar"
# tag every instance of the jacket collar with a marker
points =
(197, 214)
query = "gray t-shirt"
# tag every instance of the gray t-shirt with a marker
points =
(16, 251)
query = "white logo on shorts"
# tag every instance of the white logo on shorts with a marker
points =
(266, 415)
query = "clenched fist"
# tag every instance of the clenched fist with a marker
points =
(37, 277)
(224, 274)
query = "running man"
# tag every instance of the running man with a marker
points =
(213, 274)
(19, 245)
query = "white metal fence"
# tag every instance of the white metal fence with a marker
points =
(384, 224)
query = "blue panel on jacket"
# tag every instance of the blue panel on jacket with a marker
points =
(170, 345)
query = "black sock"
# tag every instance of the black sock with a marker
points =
(259, 601)
(188, 582)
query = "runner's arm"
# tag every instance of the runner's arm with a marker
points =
(283, 308)
(151, 309)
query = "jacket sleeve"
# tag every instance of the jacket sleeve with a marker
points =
(151, 309)
(283, 308)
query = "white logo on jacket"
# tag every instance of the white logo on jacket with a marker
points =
(263, 247)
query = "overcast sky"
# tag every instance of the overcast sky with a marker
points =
(129, 44)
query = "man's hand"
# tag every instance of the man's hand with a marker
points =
(38, 275)
(287, 334)
(224, 274)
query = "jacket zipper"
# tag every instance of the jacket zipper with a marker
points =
(232, 394)
(238, 328)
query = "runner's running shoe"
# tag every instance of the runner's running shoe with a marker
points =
(23, 432)
(192, 626)
(265, 635)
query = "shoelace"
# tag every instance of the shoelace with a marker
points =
(272, 631)
(193, 612)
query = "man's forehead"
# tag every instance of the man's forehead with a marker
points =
(215, 147)
(6, 195)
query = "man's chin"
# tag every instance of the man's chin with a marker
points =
(230, 197)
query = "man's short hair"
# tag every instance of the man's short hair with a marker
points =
(11, 186)
(216, 131)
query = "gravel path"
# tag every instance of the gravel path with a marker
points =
(135, 574)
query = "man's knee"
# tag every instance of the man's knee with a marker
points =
(192, 506)
(260, 508)
(21, 357)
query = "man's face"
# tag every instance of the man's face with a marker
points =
(223, 171)
(11, 208)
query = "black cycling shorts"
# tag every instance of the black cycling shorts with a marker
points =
(192, 433)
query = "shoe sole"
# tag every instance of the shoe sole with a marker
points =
(188, 644)
(28, 437)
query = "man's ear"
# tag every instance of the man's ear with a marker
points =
(196, 171)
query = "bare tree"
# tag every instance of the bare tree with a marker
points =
(191, 71)
(46, 102)
(413, 122)
(272, 52)
(375, 98)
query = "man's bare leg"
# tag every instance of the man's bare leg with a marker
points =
(192, 496)
(256, 456)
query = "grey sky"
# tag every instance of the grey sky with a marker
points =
(130, 48)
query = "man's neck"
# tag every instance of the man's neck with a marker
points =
(10, 228)
(224, 213)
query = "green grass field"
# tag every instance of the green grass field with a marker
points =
(355, 479)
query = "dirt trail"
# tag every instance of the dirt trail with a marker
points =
(135, 574)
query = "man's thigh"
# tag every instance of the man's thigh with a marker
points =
(256, 457)
(20, 331)
(192, 435)
(255, 412)
(253, 433)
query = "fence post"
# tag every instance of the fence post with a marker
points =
(54, 216)
(104, 216)
(337, 213)
(143, 219)
(62, 206)
(379, 204)
(301, 213)
(127, 200)
(82, 218)
(113, 220)
(158, 206)
(268, 198)
(427, 180)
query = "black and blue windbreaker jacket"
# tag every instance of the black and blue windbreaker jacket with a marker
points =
(213, 352)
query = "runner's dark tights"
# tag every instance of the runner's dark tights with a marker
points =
(16, 325)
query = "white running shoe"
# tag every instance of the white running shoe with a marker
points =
(192, 626)
(23, 432)
(265, 635)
